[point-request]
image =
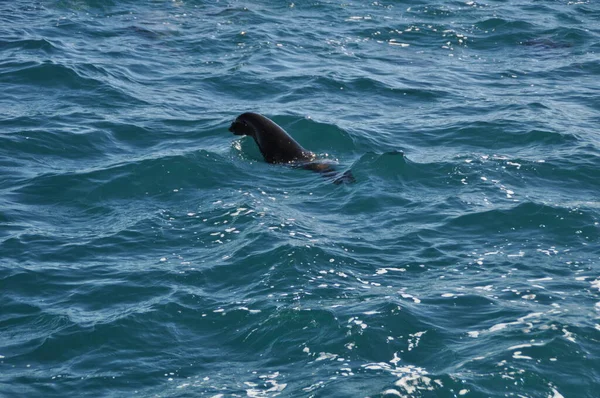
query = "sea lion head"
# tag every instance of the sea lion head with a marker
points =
(247, 124)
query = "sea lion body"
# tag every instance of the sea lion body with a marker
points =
(277, 146)
(274, 143)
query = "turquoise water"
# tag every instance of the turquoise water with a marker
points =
(146, 251)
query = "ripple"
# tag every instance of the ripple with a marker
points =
(42, 44)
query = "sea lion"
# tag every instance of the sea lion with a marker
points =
(274, 143)
(277, 146)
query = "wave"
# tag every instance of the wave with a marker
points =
(500, 134)
(551, 220)
(47, 46)
(86, 78)
(126, 179)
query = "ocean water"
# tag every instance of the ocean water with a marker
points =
(147, 251)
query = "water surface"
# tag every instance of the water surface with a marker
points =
(145, 250)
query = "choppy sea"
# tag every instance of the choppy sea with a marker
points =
(146, 251)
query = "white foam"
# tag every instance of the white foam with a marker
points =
(414, 340)
(326, 355)
(406, 295)
(393, 43)
(497, 327)
(540, 279)
(568, 335)
(517, 355)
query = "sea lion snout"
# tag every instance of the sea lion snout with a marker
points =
(237, 128)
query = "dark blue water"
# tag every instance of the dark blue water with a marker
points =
(146, 251)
